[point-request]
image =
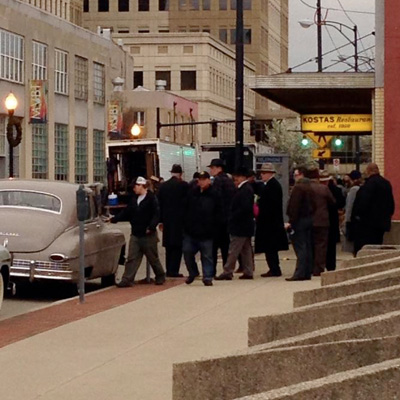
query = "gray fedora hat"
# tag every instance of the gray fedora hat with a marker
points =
(268, 167)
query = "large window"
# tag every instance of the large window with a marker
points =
(81, 78)
(61, 152)
(164, 76)
(188, 80)
(99, 156)
(246, 4)
(39, 151)
(123, 5)
(11, 57)
(139, 118)
(144, 5)
(194, 5)
(61, 72)
(103, 5)
(246, 36)
(85, 5)
(137, 79)
(39, 61)
(163, 5)
(206, 5)
(223, 35)
(81, 155)
(223, 4)
(99, 82)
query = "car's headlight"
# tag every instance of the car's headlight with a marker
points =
(58, 257)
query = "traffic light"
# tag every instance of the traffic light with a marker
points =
(305, 141)
(338, 143)
(253, 128)
(214, 129)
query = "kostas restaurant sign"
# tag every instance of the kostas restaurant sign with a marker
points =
(336, 123)
(38, 102)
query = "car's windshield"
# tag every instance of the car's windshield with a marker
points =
(37, 200)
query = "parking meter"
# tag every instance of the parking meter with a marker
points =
(82, 203)
(82, 209)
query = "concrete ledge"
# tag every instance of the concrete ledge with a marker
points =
(341, 275)
(326, 293)
(375, 382)
(275, 327)
(368, 259)
(248, 373)
(370, 249)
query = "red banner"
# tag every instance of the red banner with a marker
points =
(38, 102)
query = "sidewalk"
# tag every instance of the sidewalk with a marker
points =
(127, 351)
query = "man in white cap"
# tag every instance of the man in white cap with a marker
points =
(143, 214)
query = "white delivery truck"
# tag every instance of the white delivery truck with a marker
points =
(128, 159)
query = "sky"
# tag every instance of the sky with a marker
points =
(303, 42)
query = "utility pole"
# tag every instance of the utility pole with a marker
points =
(358, 150)
(319, 36)
(239, 85)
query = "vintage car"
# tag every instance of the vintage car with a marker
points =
(5, 264)
(39, 220)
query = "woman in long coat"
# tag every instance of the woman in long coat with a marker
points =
(271, 235)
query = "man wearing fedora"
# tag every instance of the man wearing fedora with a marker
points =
(172, 196)
(226, 188)
(270, 230)
(143, 214)
(241, 228)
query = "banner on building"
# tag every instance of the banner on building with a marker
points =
(38, 102)
(336, 123)
(114, 117)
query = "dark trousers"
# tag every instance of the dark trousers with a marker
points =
(272, 258)
(221, 241)
(191, 247)
(331, 252)
(139, 246)
(173, 257)
(320, 239)
(364, 235)
(302, 241)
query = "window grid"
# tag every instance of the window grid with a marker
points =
(61, 72)
(39, 61)
(2, 136)
(81, 155)
(99, 156)
(39, 151)
(81, 78)
(11, 57)
(99, 83)
(61, 152)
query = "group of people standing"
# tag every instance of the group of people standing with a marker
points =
(217, 212)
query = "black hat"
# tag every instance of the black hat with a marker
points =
(217, 162)
(196, 175)
(355, 175)
(241, 171)
(176, 169)
(204, 175)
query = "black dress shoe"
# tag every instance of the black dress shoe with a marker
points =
(207, 282)
(223, 277)
(246, 276)
(293, 278)
(270, 274)
(189, 280)
(124, 284)
(175, 275)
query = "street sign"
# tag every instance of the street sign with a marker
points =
(336, 122)
(320, 140)
(321, 153)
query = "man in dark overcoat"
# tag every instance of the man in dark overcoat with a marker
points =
(373, 209)
(241, 228)
(270, 230)
(172, 196)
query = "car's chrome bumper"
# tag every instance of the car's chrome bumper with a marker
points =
(42, 270)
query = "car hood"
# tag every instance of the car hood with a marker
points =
(29, 231)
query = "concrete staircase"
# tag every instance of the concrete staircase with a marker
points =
(342, 341)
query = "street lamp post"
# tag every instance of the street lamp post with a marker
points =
(13, 123)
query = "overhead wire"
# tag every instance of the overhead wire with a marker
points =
(336, 9)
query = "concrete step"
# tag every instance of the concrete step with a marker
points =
(280, 326)
(354, 262)
(378, 281)
(345, 274)
(374, 382)
(254, 372)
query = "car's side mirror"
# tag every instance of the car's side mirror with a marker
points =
(82, 203)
